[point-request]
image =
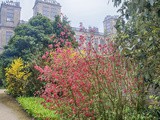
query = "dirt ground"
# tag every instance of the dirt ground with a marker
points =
(10, 109)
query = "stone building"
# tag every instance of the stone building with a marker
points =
(10, 16)
(48, 8)
(90, 34)
(108, 24)
(9, 19)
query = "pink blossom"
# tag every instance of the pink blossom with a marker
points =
(47, 53)
(50, 46)
(44, 57)
(62, 33)
(39, 69)
(74, 84)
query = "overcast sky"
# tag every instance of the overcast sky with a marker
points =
(90, 12)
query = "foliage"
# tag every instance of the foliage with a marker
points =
(31, 40)
(97, 84)
(1, 81)
(138, 38)
(34, 84)
(63, 32)
(17, 77)
(154, 108)
(135, 4)
(42, 23)
(33, 107)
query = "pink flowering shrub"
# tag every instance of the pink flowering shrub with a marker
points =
(89, 83)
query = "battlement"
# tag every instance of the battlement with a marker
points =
(10, 3)
(48, 1)
(89, 30)
(108, 17)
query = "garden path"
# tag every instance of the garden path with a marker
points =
(10, 109)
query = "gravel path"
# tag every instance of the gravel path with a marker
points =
(10, 109)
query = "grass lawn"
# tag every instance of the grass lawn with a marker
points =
(32, 105)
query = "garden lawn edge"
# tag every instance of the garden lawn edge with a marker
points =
(33, 106)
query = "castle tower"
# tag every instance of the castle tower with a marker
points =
(9, 19)
(48, 8)
(109, 23)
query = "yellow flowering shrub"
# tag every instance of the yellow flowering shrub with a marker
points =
(63, 53)
(73, 53)
(17, 77)
(69, 51)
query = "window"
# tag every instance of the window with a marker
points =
(9, 34)
(53, 12)
(46, 11)
(108, 28)
(10, 15)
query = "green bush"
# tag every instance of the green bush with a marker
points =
(1, 78)
(33, 107)
(33, 85)
(1, 83)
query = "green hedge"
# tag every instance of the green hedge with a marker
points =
(32, 105)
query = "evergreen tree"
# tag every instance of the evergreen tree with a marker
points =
(31, 40)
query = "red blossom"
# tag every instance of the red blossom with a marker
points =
(78, 85)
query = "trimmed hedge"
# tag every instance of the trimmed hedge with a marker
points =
(33, 106)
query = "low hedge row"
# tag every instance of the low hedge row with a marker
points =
(33, 106)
